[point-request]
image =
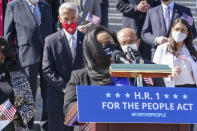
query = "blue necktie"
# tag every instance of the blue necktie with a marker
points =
(167, 18)
(36, 16)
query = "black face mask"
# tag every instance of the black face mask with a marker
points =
(164, 0)
(109, 48)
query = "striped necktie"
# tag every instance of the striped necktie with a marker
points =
(167, 18)
(72, 47)
(36, 16)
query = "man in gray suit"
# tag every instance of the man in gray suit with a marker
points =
(158, 22)
(27, 23)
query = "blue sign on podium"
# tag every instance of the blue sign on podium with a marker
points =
(124, 104)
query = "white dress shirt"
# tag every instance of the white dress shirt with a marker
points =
(69, 36)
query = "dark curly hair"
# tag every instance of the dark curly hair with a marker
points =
(188, 41)
(10, 63)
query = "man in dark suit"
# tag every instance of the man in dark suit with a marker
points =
(134, 12)
(62, 55)
(158, 22)
(27, 23)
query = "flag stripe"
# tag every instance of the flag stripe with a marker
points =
(8, 109)
(148, 81)
(5, 113)
(92, 18)
(12, 111)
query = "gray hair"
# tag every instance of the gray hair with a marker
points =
(68, 5)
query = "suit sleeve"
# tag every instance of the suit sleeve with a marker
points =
(9, 27)
(48, 68)
(146, 34)
(194, 33)
(70, 95)
(97, 8)
(126, 7)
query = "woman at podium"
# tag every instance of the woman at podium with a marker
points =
(98, 45)
(180, 54)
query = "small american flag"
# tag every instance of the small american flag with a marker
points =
(8, 110)
(188, 18)
(148, 81)
(183, 57)
(93, 18)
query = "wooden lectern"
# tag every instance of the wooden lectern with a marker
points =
(118, 70)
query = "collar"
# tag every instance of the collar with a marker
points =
(68, 35)
(30, 4)
(171, 5)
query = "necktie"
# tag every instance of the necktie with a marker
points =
(36, 16)
(72, 47)
(167, 18)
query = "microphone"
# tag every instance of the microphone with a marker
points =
(118, 58)
(133, 54)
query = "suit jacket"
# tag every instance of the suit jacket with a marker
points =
(20, 24)
(57, 67)
(78, 77)
(3, 4)
(84, 6)
(154, 24)
(128, 8)
(162, 56)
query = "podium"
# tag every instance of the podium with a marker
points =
(130, 70)
(71, 120)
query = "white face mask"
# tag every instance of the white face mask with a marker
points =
(132, 45)
(34, 1)
(178, 36)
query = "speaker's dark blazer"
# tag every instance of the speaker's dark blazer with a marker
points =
(154, 24)
(20, 23)
(57, 67)
(78, 77)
